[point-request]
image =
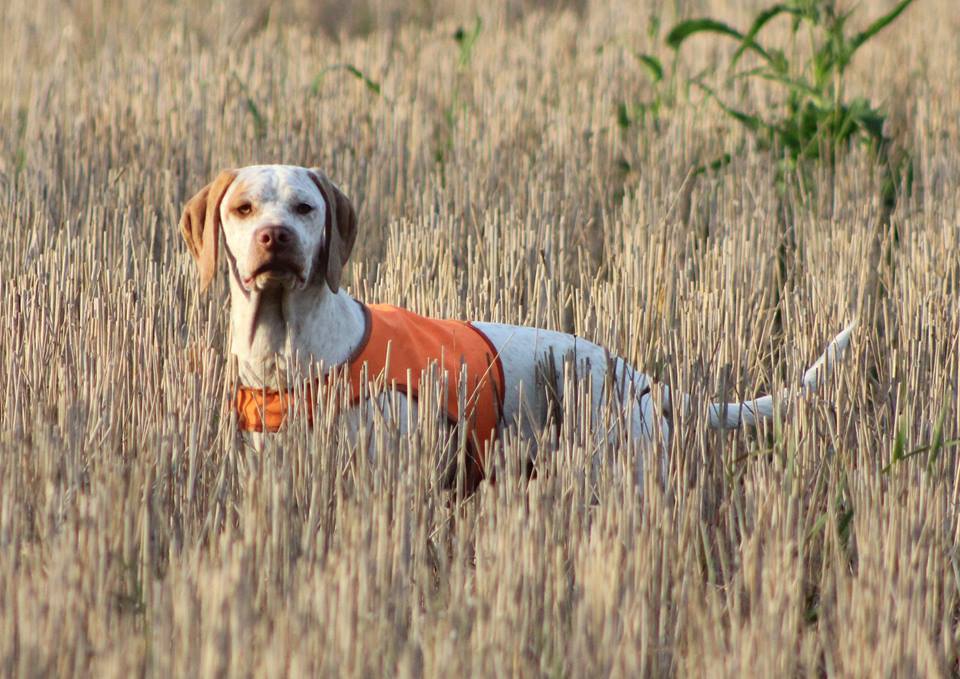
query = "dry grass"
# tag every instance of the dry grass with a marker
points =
(138, 536)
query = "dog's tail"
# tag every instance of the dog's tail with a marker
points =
(733, 415)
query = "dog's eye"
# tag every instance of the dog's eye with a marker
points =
(303, 208)
(244, 209)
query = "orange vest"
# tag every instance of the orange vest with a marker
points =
(396, 342)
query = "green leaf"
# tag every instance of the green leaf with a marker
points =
(371, 85)
(259, 122)
(623, 116)
(653, 27)
(653, 66)
(466, 41)
(749, 40)
(879, 24)
(797, 84)
(932, 449)
(713, 165)
(685, 29)
(845, 526)
(900, 444)
(752, 122)
(935, 447)
(938, 442)
(867, 118)
(818, 525)
(872, 122)
(357, 73)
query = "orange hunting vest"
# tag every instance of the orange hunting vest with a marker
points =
(398, 346)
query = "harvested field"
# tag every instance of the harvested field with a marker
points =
(507, 177)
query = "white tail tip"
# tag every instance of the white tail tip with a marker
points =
(824, 365)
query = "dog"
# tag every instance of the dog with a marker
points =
(288, 233)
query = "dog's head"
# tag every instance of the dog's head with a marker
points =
(283, 226)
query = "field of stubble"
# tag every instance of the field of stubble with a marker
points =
(138, 536)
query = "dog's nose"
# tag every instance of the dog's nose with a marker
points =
(273, 237)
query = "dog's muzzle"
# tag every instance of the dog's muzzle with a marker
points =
(275, 258)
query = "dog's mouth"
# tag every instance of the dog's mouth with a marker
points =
(275, 274)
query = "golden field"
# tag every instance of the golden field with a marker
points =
(139, 536)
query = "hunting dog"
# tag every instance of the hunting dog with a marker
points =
(288, 233)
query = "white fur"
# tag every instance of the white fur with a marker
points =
(278, 332)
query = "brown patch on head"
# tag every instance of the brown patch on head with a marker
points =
(341, 230)
(200, 225)
(240, 195)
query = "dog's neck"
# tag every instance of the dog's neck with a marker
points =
(278, 336)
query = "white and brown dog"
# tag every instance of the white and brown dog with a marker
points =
(288, 233)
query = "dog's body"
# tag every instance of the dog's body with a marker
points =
(289, 232)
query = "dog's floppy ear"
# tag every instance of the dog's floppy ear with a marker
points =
(200, 225)
(341, 230)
